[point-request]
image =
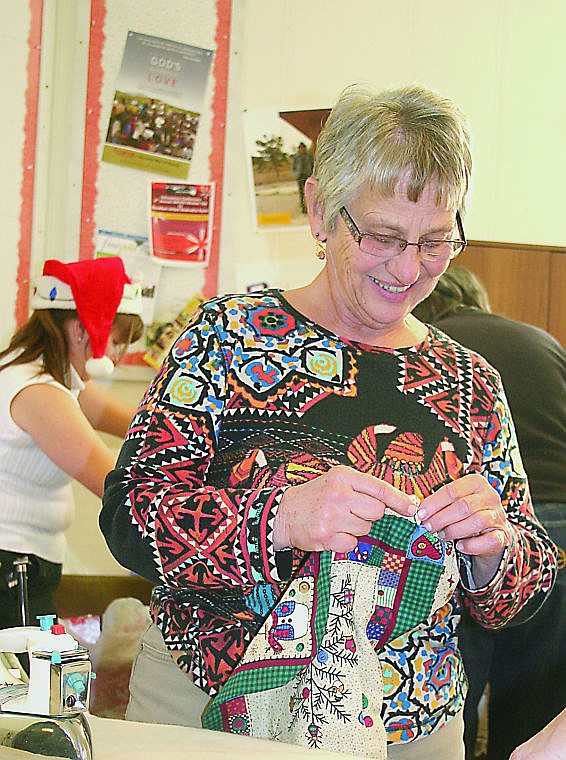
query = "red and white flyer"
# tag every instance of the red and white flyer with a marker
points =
(181, 222)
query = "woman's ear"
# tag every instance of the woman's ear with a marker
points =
(76, 331)
(314, 209)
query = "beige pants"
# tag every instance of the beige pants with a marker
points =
(161, 693)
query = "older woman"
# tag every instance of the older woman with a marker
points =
(318, 481)
(85, 313)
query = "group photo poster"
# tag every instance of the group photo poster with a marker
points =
(157, 106)
(181, 222)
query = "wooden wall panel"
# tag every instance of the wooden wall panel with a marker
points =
(524, 282)
(517, 280)
(557, 301)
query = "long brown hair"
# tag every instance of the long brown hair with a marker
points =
(43, 337)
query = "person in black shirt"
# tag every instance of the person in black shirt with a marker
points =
(525, 665)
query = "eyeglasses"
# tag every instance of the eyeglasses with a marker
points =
(387, 246)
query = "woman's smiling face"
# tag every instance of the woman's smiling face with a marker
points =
(371, 295)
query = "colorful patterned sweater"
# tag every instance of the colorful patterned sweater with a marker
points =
(253, 399)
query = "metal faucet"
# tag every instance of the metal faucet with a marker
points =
(19, 577)
(47, 715)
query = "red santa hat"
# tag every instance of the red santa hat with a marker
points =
(98, 289)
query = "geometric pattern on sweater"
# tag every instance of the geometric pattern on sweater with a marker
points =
(253, 399)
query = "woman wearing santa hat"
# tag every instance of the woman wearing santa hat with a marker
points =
(85, 314)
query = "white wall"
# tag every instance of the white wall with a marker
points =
(13, 84)
(502, 61)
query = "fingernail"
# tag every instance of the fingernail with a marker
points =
(412, 509)
(441, 534)
(427, 526)
(422, 514)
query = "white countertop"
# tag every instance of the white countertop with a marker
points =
(127, 740)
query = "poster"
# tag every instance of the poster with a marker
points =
(181, 222)
(140, 265)
(157, 105)
(164, 335)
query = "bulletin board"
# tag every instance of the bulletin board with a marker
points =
(115, 197)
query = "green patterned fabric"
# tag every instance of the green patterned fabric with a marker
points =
(311, 676)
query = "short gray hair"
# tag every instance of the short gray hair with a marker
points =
(376, 139)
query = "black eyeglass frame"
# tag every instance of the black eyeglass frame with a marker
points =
(353, 229)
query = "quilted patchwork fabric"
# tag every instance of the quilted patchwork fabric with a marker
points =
(313, 670)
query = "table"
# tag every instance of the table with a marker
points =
(128, 740)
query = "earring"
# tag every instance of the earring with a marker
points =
(320, 250)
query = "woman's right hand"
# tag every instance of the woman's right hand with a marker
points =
(334, 509)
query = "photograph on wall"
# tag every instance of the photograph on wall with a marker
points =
(141, 267)
(157, 106)
(138, 261)
(161, 335)
(181, 222)
(280, 147)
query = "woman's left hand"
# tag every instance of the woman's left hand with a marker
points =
(469, 512)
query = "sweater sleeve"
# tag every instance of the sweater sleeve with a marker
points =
(528, 566)
(160, 518)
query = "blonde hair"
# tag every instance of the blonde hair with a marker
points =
(374, 139)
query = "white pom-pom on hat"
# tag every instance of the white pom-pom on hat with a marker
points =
(102, 367)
